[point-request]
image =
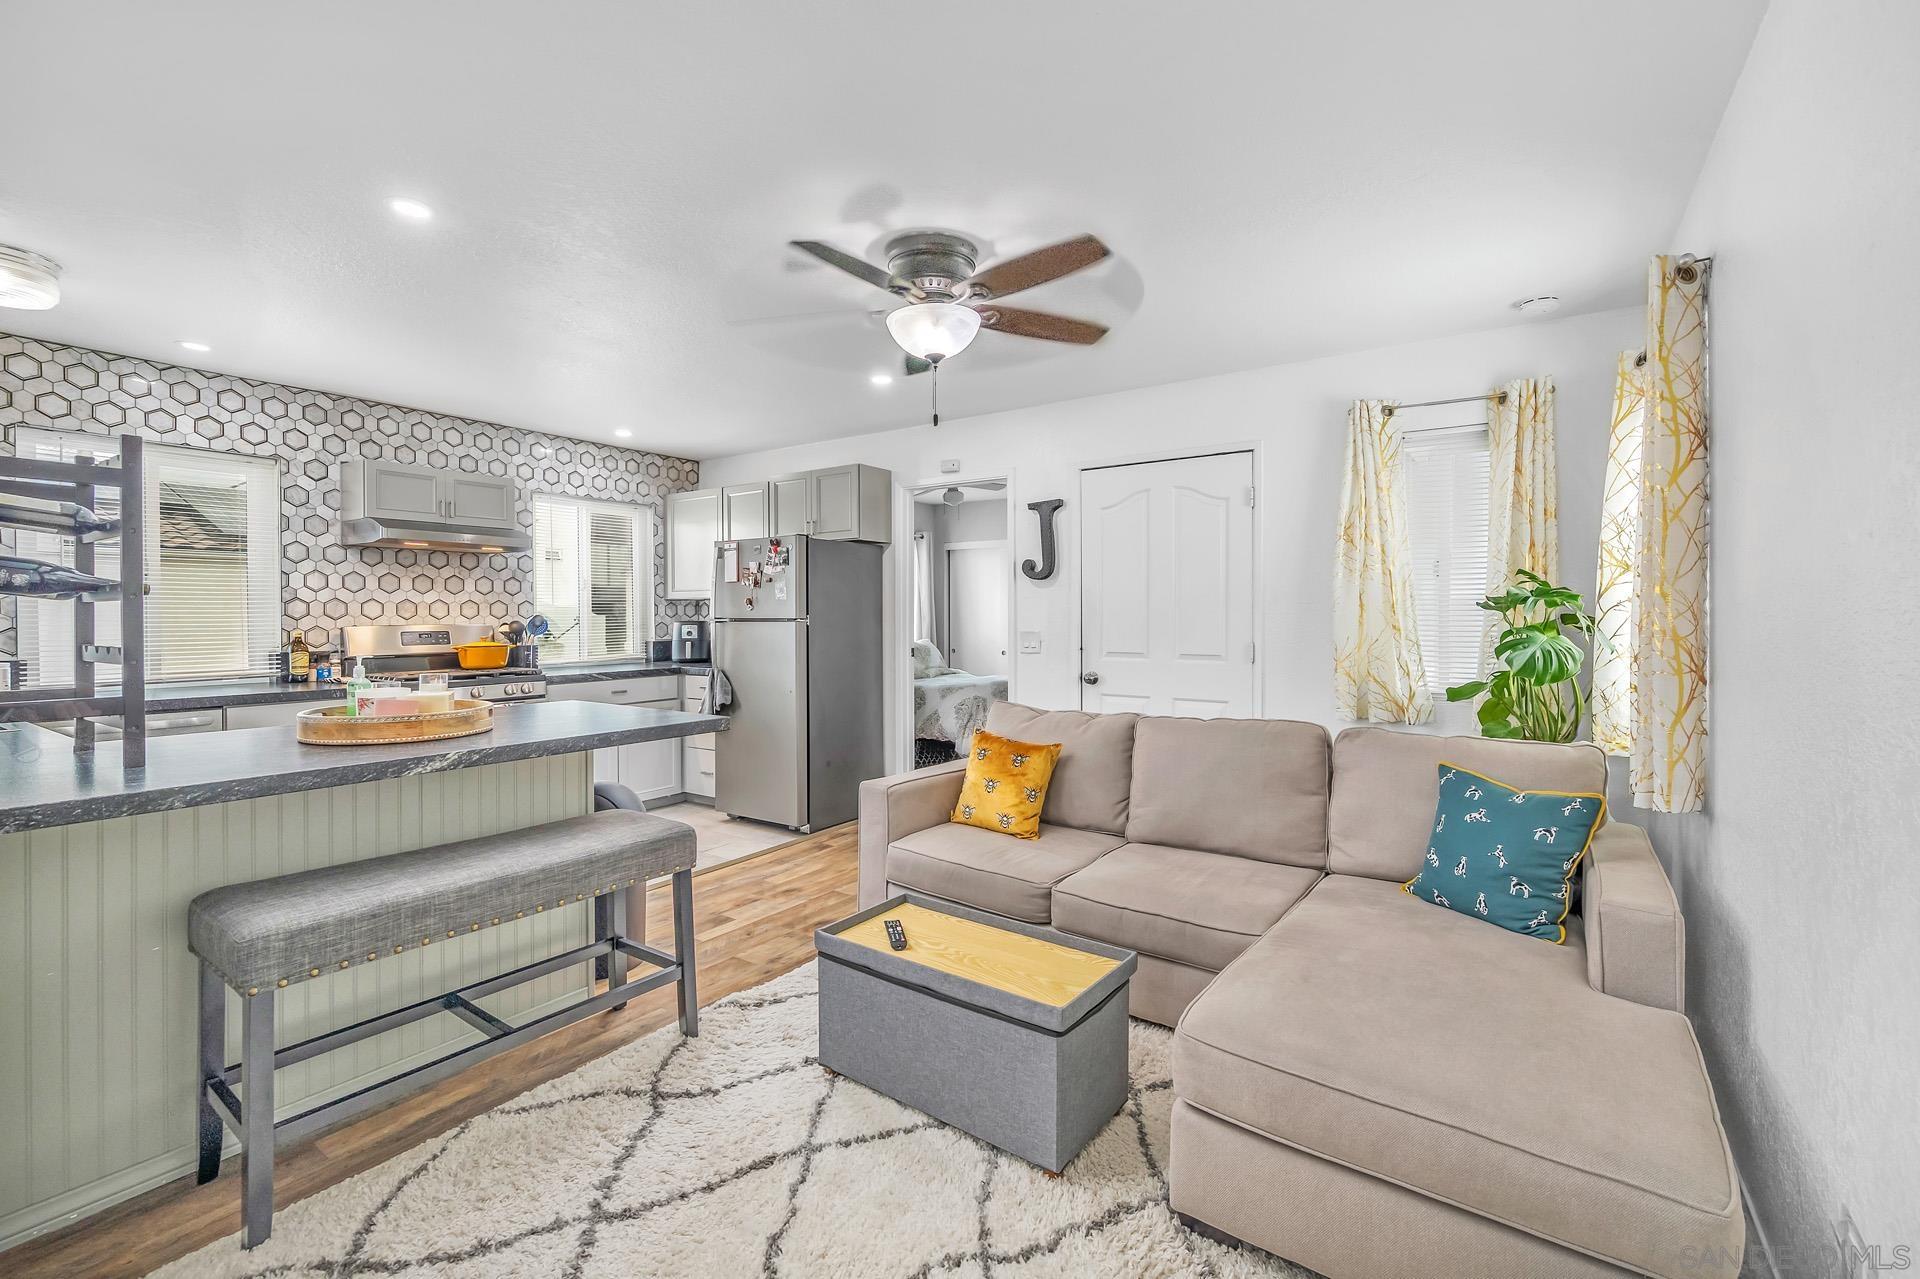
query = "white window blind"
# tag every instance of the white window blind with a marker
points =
(1446, 477)
(593, 577)
(213, 565)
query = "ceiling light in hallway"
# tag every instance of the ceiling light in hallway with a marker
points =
(410, 210)
(1545, 304)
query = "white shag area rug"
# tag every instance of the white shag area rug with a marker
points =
(736, 1154)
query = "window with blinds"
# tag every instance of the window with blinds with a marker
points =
(213, 566)
(592, 577)
(1446, 479)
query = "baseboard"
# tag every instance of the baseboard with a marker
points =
(1759, 1231)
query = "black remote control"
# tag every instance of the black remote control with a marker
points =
(896, 935)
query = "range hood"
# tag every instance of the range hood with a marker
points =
(388, 504)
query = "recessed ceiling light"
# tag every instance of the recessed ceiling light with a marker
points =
(28, 280)
(411, 210)
(623, 434)
(200, 347)
(1545, 304)
(881, 379)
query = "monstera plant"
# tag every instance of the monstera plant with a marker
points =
(1535, 693)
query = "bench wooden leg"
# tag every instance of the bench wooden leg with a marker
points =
(213, 1060)
(256, 1114)
(683, 951)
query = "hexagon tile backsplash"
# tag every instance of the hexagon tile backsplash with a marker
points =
(325, 585)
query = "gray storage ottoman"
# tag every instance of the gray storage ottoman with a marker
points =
(1012, 1032)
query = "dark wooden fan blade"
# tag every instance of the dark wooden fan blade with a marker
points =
(851, 265)
(916, 365)
(1039, 324)
(1039, 266)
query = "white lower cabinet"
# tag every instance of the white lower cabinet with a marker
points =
(650, 769)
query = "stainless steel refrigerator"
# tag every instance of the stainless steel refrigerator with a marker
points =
(796, 631)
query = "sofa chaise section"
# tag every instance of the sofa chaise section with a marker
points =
(1460, 1098)
(1473, 1066)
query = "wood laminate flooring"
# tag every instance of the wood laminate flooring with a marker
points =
(753, 920)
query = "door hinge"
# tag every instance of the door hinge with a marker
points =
(1250, 492)
(1250, 654)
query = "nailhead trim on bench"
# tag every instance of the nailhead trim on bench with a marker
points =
(451, 932)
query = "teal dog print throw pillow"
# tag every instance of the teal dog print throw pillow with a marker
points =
(1506, 855)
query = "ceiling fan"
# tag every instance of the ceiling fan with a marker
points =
(949, 302)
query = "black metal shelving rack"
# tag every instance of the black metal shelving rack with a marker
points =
(79, 482)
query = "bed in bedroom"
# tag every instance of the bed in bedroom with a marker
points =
(948, 704)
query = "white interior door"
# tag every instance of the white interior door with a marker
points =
(977, 608)
(1166, 587)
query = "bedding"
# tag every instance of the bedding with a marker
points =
(950, 705)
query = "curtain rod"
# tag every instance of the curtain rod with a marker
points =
(1389, 410)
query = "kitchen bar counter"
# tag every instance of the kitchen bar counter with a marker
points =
(204, 694)
(42, 782)
(98, 867)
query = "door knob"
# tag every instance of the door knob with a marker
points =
(1091, 677)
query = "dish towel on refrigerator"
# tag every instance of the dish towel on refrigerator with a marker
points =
(719, 692)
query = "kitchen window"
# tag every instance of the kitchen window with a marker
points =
(593, 577)
(213, 565)
(1446, 479)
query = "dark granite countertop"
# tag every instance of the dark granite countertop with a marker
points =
(42, 782)
(200, 695)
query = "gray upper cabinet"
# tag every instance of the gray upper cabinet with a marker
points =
(402, 494)
(693, 526)
(787, 505)
(850, 503)
(397, 493)
(484, 500)
(743, 512)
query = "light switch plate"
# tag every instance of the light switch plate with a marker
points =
(949, 466)
(1029, 641)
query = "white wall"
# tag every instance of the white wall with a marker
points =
(1800, 884)
(1296, 416)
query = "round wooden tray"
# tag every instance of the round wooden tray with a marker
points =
(332, 726)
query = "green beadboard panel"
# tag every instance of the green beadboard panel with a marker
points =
(98, 1061)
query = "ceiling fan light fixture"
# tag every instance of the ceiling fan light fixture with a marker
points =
(933, 331)
(29, 281)
(953, 497)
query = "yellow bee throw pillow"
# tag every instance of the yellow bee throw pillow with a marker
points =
(1006, 784)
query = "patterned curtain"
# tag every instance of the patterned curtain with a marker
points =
(1650, 695)
(1523, 524)
(1612, 693)
(1377, 671)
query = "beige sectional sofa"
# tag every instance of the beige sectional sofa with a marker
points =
(1364, 1083)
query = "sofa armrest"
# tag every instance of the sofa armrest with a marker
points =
(1636, 937)
(899, 805)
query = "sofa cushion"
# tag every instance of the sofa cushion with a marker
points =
(1013, 877)
(1090, 784)
(1471, 1065)
(1249, 787)
(1385, 784)
(1195, 908)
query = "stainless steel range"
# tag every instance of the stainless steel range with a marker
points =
(404, 653)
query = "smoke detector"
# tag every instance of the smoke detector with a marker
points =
(1545, 304)
(28, 280)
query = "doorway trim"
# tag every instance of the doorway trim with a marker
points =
(900, 683)
(1260, 644)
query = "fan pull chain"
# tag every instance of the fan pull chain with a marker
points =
(936, 393)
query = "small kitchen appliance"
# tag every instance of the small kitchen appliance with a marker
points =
(404, 653)
(690, 642)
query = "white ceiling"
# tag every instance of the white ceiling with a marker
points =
(614, 183)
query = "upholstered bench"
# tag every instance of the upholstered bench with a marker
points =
(262, 936)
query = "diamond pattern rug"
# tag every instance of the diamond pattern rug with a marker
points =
(735, 1154)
